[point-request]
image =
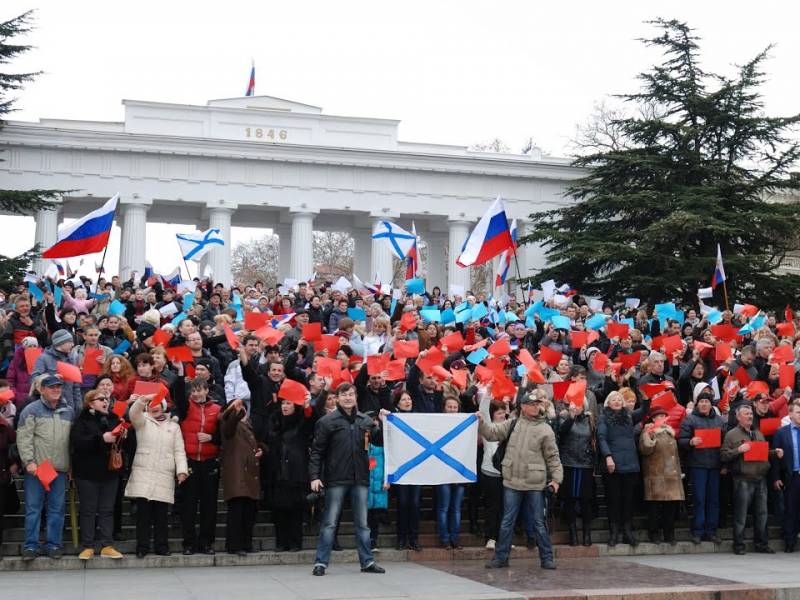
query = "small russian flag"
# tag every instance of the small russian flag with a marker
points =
(719, 270)
(251, 85)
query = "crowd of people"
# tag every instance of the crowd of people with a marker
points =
(135, 389)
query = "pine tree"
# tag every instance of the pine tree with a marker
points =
(21, 202)
(692, 166)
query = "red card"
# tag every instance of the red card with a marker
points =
(188, 369)
(782, 354)
(599, 362)
(396, 370)
(526, 359)
(330, 343)
(769, 426)
(46, 473)
(408, 321)
(657, 343)
(409, 349)
(576, 392)
(500, 348)
(31, 356)
(495, 365)
(665, 400)
(702, 347)
(748, 310)
(672, 344)
(617, 330)
(255, 320)
(433, 357)
(293, 392)
(459, 378)
(629, 360)
(119, 408)
(180, 353)
(722, 351)
(712, 438)
(579, 339)
(328, 367)
(742, 377)
(69, 372)
(269, 334)
(312, 332)
(757, 387)
(502, 386)
(161, 337)
(560, 389)
(230, 336)
(724, 332)
(759, 452)
(90, 364)
(551, 357)
(454, 342)
(786, 376)
(440, 373)
(485, 375)
(535, 374)
(651, 389)
(145, 388)
(6, 396)
(378, 363)
(785, 329)
(475, 345)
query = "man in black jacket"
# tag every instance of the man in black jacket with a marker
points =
(339, 451)
(373, 393)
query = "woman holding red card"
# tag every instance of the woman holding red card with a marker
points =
(91, 438)
(661, 467)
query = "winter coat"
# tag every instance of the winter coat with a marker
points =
(43, 433)
(704, 458)
(88, 450)
(235, 385)
(240, 469)
(531, 458)
(287, 442)
(339, 450)
(377, 497)
(616, 437)
(46, 363)
(577, 442)
(112, 339)
(159, 456)
(734, 460)
(19, 378)
(661, 465)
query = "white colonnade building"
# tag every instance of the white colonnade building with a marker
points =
(271, 163)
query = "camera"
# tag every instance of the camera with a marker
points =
(314, 496)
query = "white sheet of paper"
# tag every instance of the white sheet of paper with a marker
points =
(168, 310)
(705, 292)
(456, 290)
(548, 289)
(632, 302)
(596, 304)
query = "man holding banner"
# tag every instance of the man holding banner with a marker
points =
(531, 457)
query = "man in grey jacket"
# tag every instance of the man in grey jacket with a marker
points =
(59, 351)
(531, 455)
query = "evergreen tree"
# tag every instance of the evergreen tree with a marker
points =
(691, 167)
(21, 202)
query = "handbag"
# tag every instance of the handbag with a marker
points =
(500, 453)
(115, 456)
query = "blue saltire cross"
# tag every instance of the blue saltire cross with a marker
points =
(200, 244)
(393, 236)
(431, 449)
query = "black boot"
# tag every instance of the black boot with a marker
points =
(627, 535)
(573, 533)
(613, 535)
(587, 533)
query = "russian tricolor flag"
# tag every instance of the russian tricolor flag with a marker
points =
(719, 270)
(251, 85)
(505, 258)
(412, 258)
(489, 238)
(86, 235)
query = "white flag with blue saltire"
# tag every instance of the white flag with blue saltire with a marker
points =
(400, 241)
(197, 244)
(430, 449)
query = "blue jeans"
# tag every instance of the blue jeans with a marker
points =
(35, 496)
(334, 499)
(706, 500)
(448, 511)
(534, 503)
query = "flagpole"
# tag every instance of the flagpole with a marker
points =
(188, 272)
(519, 275)
(725, 291)
(102, 269)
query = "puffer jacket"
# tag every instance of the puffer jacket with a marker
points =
(377, 497)
(338, 449)
(19, 378)
(46, 363)
(616, 437)
(159, 456)
(703, 458)
(43, 433)
(531, 458)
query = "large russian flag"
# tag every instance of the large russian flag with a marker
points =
(489, 238)
(87, 235)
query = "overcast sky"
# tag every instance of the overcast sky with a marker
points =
(454, 72)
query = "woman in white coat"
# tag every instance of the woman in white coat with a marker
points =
(159, 456)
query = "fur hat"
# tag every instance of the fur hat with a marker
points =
(153, 317)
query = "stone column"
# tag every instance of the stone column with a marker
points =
(284, 251)
(301, 264)
(436, 264)
(382, 258)
(133, 242)
(46, 235)
(219, 258)
(362, 259)
(459, 230)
